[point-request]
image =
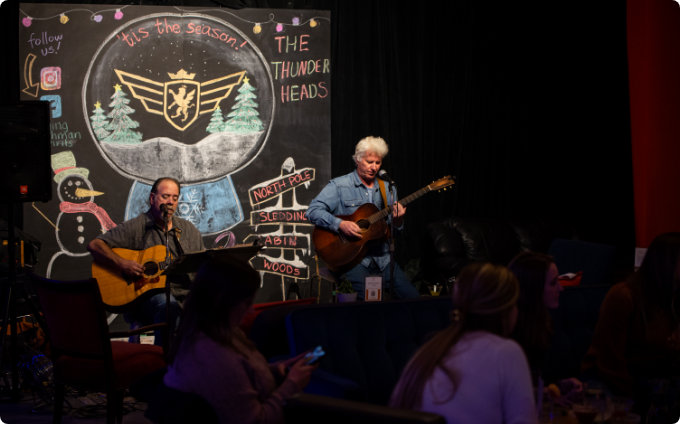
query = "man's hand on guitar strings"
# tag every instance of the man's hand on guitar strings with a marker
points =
(131, 268)
(350, 229)
(398, 212)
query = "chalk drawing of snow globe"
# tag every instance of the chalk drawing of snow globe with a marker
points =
(187, 96)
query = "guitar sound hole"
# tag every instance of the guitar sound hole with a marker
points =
(150, 268)
(363, 224)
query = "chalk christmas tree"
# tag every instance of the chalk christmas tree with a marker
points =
(99, 122)
(121, 125)
(216, 122)
(244, 118)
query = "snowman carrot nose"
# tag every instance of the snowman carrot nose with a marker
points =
(81, 192)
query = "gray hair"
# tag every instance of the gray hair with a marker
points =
(370, 144)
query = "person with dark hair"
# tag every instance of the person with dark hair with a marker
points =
(471, 372)
(215, 360)
(636, 337)
(145, 231)
(539, 290)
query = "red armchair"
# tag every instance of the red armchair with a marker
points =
(83, 354)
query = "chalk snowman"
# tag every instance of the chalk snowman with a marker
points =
(80, 220)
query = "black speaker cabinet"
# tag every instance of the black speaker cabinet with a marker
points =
(25, 169)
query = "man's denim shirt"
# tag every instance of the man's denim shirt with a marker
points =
(343, 196)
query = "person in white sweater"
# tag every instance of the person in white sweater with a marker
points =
(470, 371)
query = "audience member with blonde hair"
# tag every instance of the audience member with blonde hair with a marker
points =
(471, 372)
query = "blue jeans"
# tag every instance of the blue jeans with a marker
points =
(403, 289)
(152, 311)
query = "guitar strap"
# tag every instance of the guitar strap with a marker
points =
(176, 237)
(178, 234)
(384, 196)
(382, 191)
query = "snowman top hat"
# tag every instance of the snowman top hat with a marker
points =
(64, 164)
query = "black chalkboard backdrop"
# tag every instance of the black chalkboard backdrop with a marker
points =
(233, 103)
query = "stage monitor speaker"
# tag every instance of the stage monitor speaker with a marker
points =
(26, 171)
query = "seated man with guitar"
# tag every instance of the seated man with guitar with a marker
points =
(355, 246)
(133, 281)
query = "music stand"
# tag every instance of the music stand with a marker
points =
(192, 261)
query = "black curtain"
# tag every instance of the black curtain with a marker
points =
(526, 103)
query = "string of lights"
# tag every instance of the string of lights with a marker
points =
(118, 15)
(63, 18)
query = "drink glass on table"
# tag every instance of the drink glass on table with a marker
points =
(622, 407)
(584, 413)
(632, 419)
(547, 413)
(537, 384)
(594, 397)
(435, 289)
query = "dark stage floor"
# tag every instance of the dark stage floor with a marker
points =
(86, 409)
(90, 409)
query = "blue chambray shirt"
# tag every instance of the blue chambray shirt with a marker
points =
(343, 196)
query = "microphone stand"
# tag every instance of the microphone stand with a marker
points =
(393, 201)
(166, 218)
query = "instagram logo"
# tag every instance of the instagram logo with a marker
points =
(50, 78)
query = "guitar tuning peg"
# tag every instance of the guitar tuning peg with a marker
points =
(444, 189)
(439, 191)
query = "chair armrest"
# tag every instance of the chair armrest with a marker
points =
(305, 408)
(138, 330)
(163, 327)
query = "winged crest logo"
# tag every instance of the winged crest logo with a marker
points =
(181, 100)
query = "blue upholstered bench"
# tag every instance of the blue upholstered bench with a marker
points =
(367, 344)
(594, 259)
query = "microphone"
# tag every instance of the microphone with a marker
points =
(166, 209)
(383, 176)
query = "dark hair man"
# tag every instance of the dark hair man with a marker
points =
(145, 231)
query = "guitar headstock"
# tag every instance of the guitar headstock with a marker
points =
(442, 183)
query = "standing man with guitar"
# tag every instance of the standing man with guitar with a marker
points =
(343, 196)
(143, 232)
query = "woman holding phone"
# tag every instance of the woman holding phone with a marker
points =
(215, 360)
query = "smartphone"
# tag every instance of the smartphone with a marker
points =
(314, 355)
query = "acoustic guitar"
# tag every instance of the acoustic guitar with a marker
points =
(119, 290)
(341, 253)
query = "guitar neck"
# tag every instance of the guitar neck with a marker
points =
(405, 201)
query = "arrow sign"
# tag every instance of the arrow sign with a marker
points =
(28, 76)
